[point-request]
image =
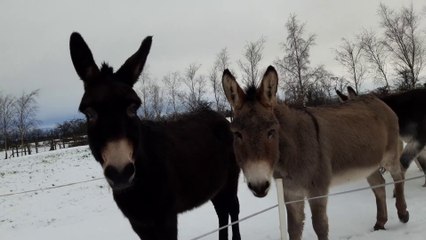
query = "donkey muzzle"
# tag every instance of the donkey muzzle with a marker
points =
(259, 189)
(258, 175)
(120, 179)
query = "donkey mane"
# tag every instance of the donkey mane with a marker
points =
(338, 105)
(251, 92)
(106, 69)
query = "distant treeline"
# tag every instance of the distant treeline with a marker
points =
(67, 134)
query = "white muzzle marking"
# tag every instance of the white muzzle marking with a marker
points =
(257, 172)
(118, 154)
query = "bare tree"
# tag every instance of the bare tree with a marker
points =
(195, 86)
(375, 52)
(142, 88)
(323, 80)
(349, 55)
(320, 88)
(26, 110)
(295, 67)
(222, 62)
(253, 54)
(339, 83)
(172, 83)
(157, 100)
(215, 84)
(404, 42)
(71, 132)
(6, 119)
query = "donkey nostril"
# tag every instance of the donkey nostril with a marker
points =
(260, 190)
(120, 177)
(264, 187)
(128, 170)
(111, 173)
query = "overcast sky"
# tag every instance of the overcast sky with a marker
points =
(34, 52)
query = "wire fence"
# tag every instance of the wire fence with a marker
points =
(50, 188)
(306, 199)
(240, 220)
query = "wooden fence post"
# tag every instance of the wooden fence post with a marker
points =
(281, 208)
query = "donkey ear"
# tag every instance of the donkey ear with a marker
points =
(132, 68)
(267, 90)
(351, 92)
(82, 58)
(342, 97)
(233, 91)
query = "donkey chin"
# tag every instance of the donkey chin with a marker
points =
(258, 176)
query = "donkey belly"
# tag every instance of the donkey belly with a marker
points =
(197, 186)
(350, 175)
(200, 194)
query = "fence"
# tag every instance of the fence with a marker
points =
(50, 188)
(281, 203)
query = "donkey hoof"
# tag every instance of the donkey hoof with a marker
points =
(379, 227)
(404, 217)
(424, 185)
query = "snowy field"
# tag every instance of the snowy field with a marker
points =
(87, 210)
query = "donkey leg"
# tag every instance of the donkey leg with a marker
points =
(319, 216)
(234, 204)
(234, 211)
(295, 214)
(222, 210)
(226, 204)
(401, 205)
(422, 162)
(380, 193)
(410, 152)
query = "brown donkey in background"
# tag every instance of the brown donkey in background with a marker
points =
(312, 148)
(410, 108)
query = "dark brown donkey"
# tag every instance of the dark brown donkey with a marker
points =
(155, 169)
(410, 107)
(313, 148)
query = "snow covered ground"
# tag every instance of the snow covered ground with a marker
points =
(87, 210)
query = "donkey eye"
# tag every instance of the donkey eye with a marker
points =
(132, 110)
(271, 133)
(238, 135)
(91, 114)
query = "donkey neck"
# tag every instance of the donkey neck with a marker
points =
(300, 119)
(299, 144)
(298, 127)
(150, 193)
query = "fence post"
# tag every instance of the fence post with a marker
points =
(281, 208)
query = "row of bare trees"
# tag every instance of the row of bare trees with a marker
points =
(399, 51)
(183, 91)
(392, 59)
(17, 121)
